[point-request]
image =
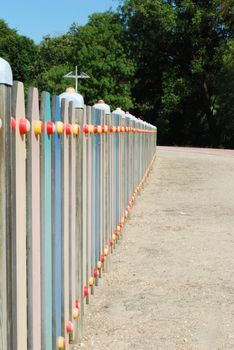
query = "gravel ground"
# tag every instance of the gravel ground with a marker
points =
(171, 281)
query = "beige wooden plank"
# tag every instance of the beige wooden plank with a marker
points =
(5, 220)
(19, 150)
(65, 224)
(33, 224)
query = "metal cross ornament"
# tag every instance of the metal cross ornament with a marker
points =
(76, 76)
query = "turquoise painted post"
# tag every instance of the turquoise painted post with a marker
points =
(46, 232)
(57, 223)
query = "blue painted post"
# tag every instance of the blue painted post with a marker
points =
(46, 228)
(57, 220)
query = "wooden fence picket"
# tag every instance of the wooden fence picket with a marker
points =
(46, 222)
(6, 309)
(19, 242)
(33, 221)
(57, 220)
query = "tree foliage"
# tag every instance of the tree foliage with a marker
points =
(20, 52)
(169, 60)
(98, 50)
(181, 48)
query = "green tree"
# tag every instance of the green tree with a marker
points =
(55, 60)
(20, 52)
(179, 48)
(99, 51)
(148, 26)
(224, 104)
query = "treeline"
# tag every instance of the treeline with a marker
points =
(170, 61)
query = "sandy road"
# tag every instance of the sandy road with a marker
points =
(171, 283)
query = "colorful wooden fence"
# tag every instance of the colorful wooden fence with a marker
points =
(68, 179)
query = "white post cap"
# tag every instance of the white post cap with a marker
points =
(5, 73)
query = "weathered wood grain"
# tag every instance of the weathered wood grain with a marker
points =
(65, 223)
(79, 115)
(19, 222)
(5, 220)
(56, 224)
(33, 225)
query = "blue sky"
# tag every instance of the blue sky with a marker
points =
(38, 18)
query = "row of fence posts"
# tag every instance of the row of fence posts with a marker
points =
(69, 175)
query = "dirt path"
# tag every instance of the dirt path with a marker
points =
(171, 284)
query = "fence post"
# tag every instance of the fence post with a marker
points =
(19, 220)
(72, 241)
(79, 221)
(33, 221)
(90, 267)
(107, 191)
(46, 222)
(57, 220)
(99, 111)
(113, 189)
(123, 169)
(5, 208)
(65, 222)
(102, 192)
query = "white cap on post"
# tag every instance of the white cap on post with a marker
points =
(5, 73)
(102, 106)
(75, 97)
(120, 112)
(130, 116)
